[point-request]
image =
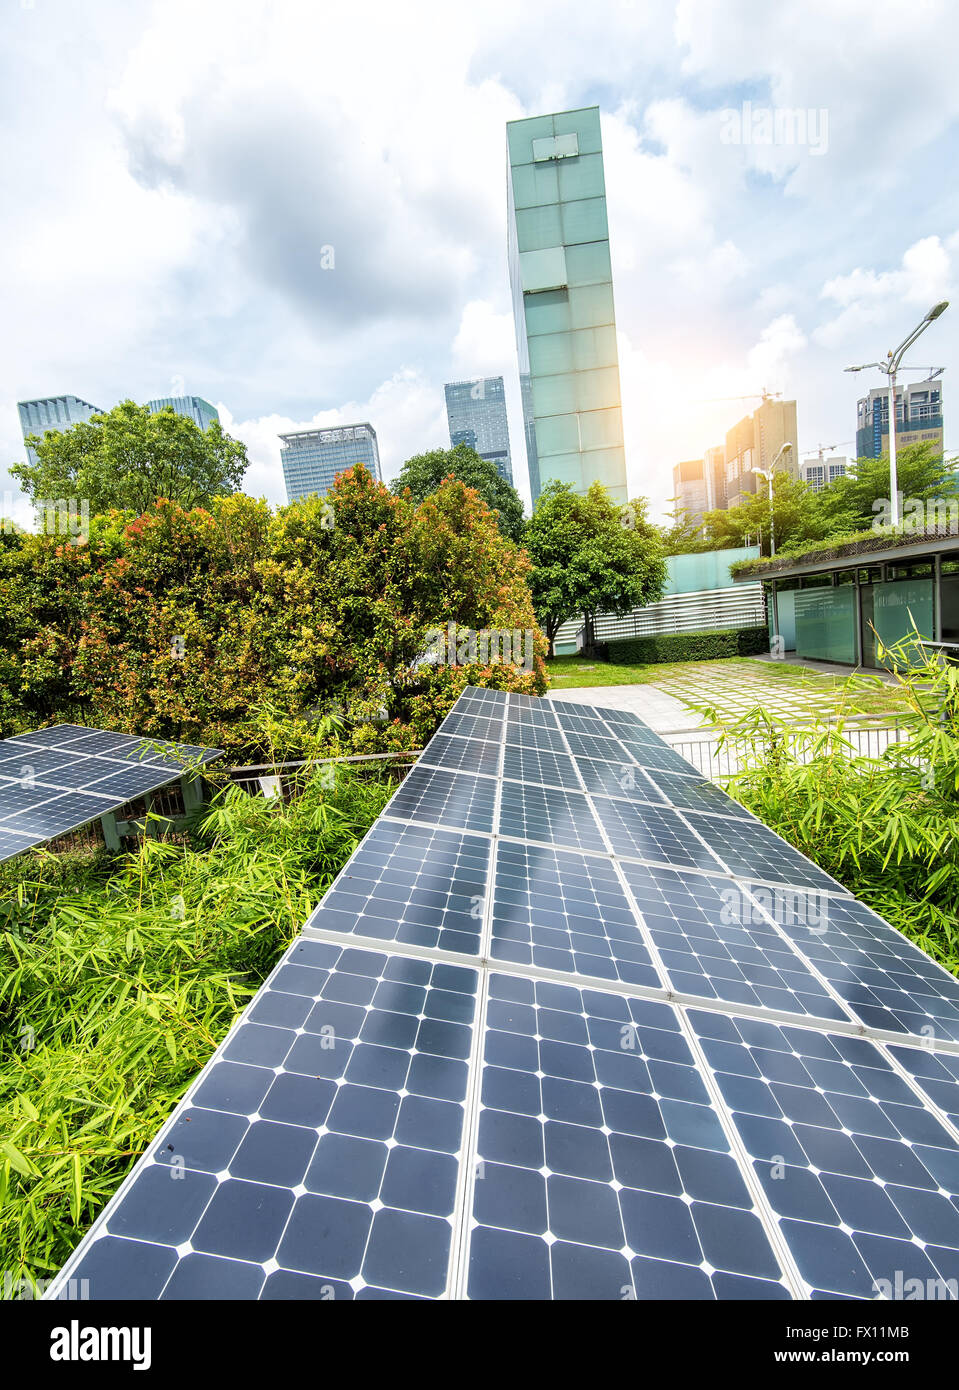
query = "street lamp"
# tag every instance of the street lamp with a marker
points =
(767, 473)
(891, 367)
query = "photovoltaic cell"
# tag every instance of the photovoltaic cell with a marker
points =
(415, 885)
(317, 1157)
(604, 1171)
(566, 911)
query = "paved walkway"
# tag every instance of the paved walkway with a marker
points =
(659, 710)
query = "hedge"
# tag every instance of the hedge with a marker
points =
(689, 646)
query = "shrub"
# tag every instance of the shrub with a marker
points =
(688, 646)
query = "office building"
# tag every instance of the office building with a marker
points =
(918, 418)
(476, 411)
(818, 472)
(195, 408)
(312, 458)
(689, 488)
(755, 442)
(52, 413)
(714, 472)
(563, 302)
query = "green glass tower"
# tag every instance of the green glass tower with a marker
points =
(563, 302)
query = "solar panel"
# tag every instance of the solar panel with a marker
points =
(57, 779)
(567, 1025)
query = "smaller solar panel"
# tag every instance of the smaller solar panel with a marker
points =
(459, 800)
(580, 724)
(57, 779)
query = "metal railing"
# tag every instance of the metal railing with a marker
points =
(715, 759)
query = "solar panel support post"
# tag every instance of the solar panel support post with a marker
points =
(193, 792)
(111, 832)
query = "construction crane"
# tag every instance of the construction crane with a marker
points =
(762, 395)
(826, 449)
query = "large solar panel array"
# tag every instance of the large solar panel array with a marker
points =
(569, 1024)
(57, 779)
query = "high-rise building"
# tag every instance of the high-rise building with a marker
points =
(563, 302)
(918, 418)
(312, 458)
(195, 408)
(818, 472)
(714, 468)
(755, 442)
(689, 488)
(476, 411)
(52, 413)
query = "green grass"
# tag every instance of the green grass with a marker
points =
(120, 975)
(576, 671)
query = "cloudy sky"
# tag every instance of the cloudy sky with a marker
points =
(174, 170)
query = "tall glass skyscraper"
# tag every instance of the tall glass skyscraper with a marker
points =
(476, 411)
(52, 413)
(563, 302)
(312, 458)
(195, 408)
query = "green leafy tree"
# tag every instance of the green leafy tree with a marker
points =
(128, 458)
(795, 515)
(589, 556)
(424, 473)
(847, 504)
(684, 534)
